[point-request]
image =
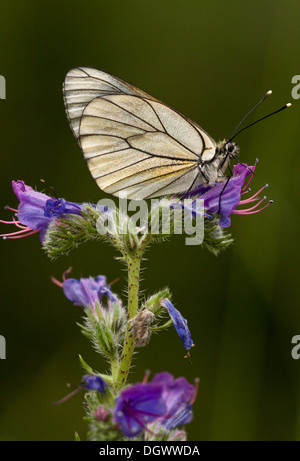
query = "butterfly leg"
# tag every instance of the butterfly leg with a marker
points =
(225, 185)
(243, 164)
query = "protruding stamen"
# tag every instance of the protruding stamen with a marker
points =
(7, 207)
(146, 377)
(113, 282)
(251, 199)
(255, 206)
(67, 397)
(64, 277)
(23, 234)
(20, 225)
(66, 273)
(196, 388)
(23, 231)
(57, 282)
(251, 176)
(7, 222)
(252, 212)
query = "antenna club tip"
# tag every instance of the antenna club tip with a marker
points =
(269, 92)
(288, 104)
(257, 160)
(271, 201)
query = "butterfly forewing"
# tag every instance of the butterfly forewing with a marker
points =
(133, 142)
(83, 84)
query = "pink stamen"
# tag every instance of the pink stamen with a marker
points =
(67, 397)
(249, 200)
(8, 222)
(19, 224)
(247, 185)
(196, 388)
(255, 206)
(64, 277)
(11, 209)
(246, 191)
(23, 231)
(67, 272)
(251, 176)
(258, 192)
(251, 212)
(57, 282)
(14, 236)
(146, 377)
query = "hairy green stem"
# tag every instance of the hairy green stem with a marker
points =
(133, 265)
(114, 369)
(133, 261)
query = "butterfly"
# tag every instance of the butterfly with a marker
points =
(135, 144)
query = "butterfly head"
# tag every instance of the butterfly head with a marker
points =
(227, 150)
(231, 149)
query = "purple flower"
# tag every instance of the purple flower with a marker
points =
(86, 291)
(89, 382)
(178, 395)
(36, 210)
(94, 383)
(179, 322)
(164, 400)
(137, 406)
(232, 195)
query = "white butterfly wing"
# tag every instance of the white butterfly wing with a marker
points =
(132, 142)
(83, 84)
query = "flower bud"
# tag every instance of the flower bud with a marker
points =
(140, 327)
(105, 339)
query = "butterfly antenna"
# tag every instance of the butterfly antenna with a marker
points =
(259, 120)
(249, 113)
(51, 188)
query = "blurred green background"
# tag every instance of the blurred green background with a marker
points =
(211, 60)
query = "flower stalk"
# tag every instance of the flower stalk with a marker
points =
(133, 262)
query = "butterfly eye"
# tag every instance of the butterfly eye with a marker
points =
(230, 147)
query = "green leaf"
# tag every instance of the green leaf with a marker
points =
(85, 366)
(161, 327)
